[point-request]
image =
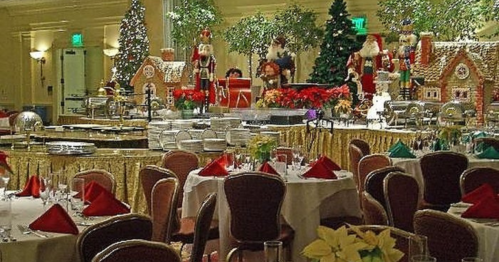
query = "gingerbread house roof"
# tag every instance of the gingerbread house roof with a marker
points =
(485, 56)
(170, 71)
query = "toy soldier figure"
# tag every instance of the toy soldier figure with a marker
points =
(205, 69)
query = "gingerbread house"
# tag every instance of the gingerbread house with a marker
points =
(462, 71)
(160, 77)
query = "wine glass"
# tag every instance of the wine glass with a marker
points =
(237, 156)
(4, 181)
(77, 194)
(46, 188)
(297, 156)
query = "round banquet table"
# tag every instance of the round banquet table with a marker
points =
(31, 248)
(487, 231)
(306, 202)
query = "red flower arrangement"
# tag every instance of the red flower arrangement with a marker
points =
(310, 97)
(187, 98)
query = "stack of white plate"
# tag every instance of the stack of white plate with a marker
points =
(160, 125)
(70, 148)
(191, 145)
(196, 133)
(215, 144)
(153, 138)
(180, 136)
(167, 139)
(273, 134)
(182, 124)
(238, 136)
(224, 123)
(208, 133)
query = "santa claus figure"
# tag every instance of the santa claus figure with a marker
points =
(406, 55)
(278, 54)
(204, 68)
(370, 62)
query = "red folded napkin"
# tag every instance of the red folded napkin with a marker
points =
(32, 188)
(92, 191)
(327, 162)
(486, 208)
(3, 162)
(224, 159)
(481, 192)
(267, 168)
(214, 169)
(56, 220)
(320, 170)
(105, 205)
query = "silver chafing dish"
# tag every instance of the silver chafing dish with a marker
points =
(492, 114)
(95, 106)
(456, 113)
(401, 112)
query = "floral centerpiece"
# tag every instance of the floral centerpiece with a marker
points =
(339, 246)
(450, 135)
(187, 99)
(260, 146)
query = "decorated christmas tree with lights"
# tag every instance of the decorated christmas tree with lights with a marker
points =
(134, 44)
(339, 42)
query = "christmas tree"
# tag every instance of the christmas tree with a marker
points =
(339, 42)
(134, 44)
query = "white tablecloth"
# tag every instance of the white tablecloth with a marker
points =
(306, 201)
(412, 166)
(31, 248)
(488, 234)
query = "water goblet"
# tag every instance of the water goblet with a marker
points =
(471, 259)
(423, 258)
(273, 251)
(297, 157)
(6, 219)
(45, 189)
(4, 181)
(77, 194)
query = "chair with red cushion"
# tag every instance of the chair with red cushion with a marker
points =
(355, 155)
(138, 250)
(449, 238)
(181, 163)
(402, 198)
(148, 177)
(374, 212)
(362, 145)
(374, 183)
(255, 201)
(369, 163)
(96, 238)
(102, 177)
(202, 227)
(441, 174)
(473, 178)
(164, 197)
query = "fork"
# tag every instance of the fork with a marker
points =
(26, 231)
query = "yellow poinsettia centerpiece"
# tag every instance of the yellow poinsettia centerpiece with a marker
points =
(260, 146)
(340, 246)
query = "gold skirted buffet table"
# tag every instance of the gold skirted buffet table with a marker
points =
(335, 145)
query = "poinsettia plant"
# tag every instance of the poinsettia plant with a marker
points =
(187, 98)
(310, 97)
(339, 245)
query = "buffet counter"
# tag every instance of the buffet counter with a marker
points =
(81, 119)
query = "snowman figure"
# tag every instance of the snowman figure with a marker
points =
(382, 95)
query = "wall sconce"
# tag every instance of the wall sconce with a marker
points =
(38, 56)
(111, 52)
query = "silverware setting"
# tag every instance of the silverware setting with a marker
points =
(26, 231)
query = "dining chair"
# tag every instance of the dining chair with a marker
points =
(362, 145)
(102, 177)
(181, 163)
(97, 237)
(374, 183)
(138, 250)
(402, 198)
(449, 238)
(441, 175)
(355, 155)
(202, 227)
(255, 201)
(369, 163)
(402, 238)
(374, 212)
(164, 197)
(473, 178)
(148, 177)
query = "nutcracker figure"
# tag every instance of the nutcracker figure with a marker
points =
(406, 55)
(204, 68)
